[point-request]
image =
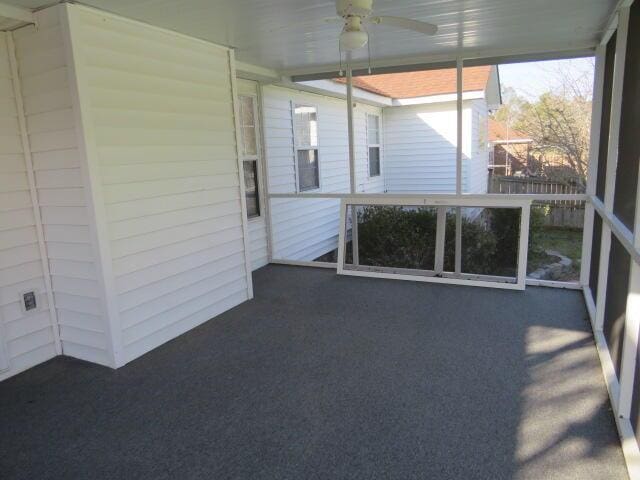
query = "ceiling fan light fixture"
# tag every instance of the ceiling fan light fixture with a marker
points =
(353, 39)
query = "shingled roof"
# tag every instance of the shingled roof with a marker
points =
(498, 132)
(422, 83)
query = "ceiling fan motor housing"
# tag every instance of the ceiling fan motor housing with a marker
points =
(354, 8)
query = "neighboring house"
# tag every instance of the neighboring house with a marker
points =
(405, 141)
(510, 150)
(420, 128)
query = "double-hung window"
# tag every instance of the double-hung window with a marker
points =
(373, 144)
(306, 147)
(249, 136)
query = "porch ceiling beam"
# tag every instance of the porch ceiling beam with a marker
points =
(16, 13)
(448, 60)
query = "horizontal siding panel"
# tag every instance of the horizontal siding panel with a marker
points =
(190, 306)
(12, 289)
(87, 353)
(134, 191)
(15, 256)
(27, 360)
(18, 236)
(79, 304)
(59, 121)
(62, 197)
(181, 296)
(80, 320)
(139, 226)
(151, 154)
(139, 347)
(14, 201)
(72, 269)
(67, 233)
(133, 298)
(53, 140)
(27, 325)
(142, 173)
(70, 251)
(13, 182)
(64, 215)
(62, 178)
(224, 240)
(76, 286)
(28, 343)
(56, 159)
(157, 273)
(180, 233)
(82, 336)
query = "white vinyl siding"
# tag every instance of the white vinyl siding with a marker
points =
(27, 338)
(420, 148)
(478, 165)
(51, 125)
(160, 113)
(304, 229)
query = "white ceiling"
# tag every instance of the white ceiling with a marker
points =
(290, 36)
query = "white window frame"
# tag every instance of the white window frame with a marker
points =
(258, 155)
(370, 145)
(297, 146)
(442, 203)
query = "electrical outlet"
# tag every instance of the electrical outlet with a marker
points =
(29, 301)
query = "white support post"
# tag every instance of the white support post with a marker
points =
(459, 73)
(630, 342)
(33, 193)
(441, 224)
(265, 176)
(243, 199)
(523, 244)
(352, 162)
(612, 160)
(458, 244)
(458, 252)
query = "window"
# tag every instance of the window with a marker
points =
(306, 146)
(249, 150)
(373, 142)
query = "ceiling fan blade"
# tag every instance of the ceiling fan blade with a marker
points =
(406, 23)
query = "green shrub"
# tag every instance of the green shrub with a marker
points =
(401, 237)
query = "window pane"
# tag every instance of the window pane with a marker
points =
(246, 111)
(308, 174)
(374, 161)
(249, 146)
(251, 188)
(306, 126)
(373, 129)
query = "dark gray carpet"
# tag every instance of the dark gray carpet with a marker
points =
(327, 377)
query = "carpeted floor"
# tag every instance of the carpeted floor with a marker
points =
(327, 377)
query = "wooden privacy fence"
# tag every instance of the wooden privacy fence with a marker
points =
(558, 213)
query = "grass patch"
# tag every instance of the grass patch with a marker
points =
(566, 241)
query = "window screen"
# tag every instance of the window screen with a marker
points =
(251, 188)
(605, 116)
(374, 161)
(248, 126)
(373, 141)
(624, 205)
(306, 144)
(308, 173)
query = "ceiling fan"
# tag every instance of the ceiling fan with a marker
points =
(357, 13)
